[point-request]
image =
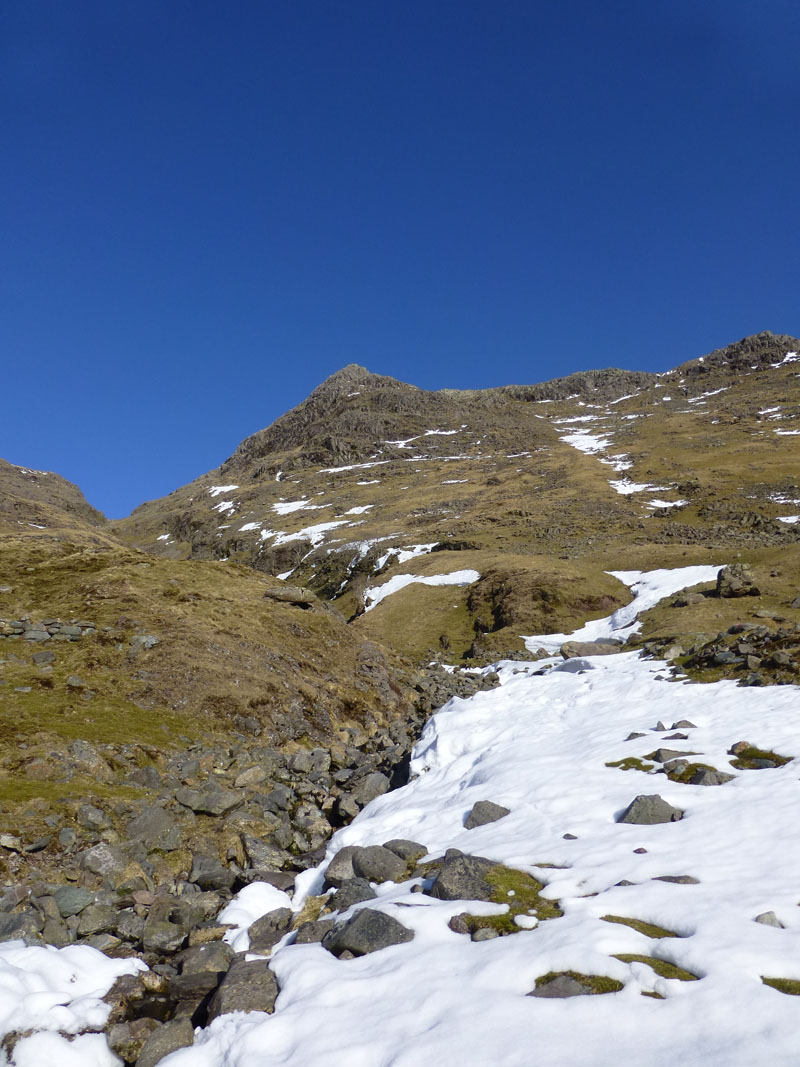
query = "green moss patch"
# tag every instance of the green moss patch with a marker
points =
(631, 763)
(747, 759)
(686, 775)
(648, 929)
(522, 893)
(662, 968)
(597, 983)
(790, 986)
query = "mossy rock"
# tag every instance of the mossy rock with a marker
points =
(648, 929)
(747, 759)
(525, 900)
(790, 986)
(662, 968)
(685, 776)
(594, 983)
(631, 763)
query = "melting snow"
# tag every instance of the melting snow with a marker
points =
(586, 442)
(353, 466)
(540, 744)
(216, 490)
(288, 506)
(359, 510)
(666, 503)
(626, 487)
(403, 555)
(376, 593)
(315, 534)
(790, 357)
(789, 518)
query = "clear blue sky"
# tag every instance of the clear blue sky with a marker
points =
(207, 208)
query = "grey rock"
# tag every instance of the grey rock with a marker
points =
(92, 818)
(706, 777)
(463, 877)
(267, 931)
(107, 861)
(356, 891)
(649, 809)
(312, 932)
(209, 801)
(209, 873)
(248, 986)
(179, 1033)
(18, 925)
(146, 641)
(484, 933)
(579, 649)
(736, 580)
(410, 851)
(36, 635)
(97, 919)
(678, 879)
(370, 786)
(163, 936)
(664, 755)
(262, 855)
(156, 829)
(367, 931)
(71, 900)
(129, 925)
(483, 812)
(128, 1039)
(340, 869)
(683, 724)
(42, 659)
(563, 985)
(378, 864)
(769, 918)
(74, 681)
(215, 958)
(193, 985)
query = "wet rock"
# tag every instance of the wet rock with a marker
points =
(650, 809)
(483, 812)
(367, 931)
(248, 986)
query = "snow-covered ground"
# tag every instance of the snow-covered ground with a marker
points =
(540, 744)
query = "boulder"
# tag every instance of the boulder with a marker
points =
(736, 580)
(367, 931)
(313, 931)
(647, 809)
(340, 869)
(356, 891)
(249, 985)
(483, 812)
(156, 829)
(267, 931)
(462, 877)
(410, 851)
(179, 1033)
(378, 864)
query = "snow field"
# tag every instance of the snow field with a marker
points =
(539, 745)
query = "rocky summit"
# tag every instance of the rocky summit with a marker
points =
(223, 752)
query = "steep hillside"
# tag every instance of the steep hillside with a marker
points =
(41, 499)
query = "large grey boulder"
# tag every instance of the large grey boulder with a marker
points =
(483, 812)
(370, 786)
(248, 986)
(410, 851)
(356, 891)
(378, 864)
(647, 809)
(340, 869)
(462, 877)
(368, 931)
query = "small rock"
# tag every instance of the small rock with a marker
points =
(340, 869)
(483, 812)
(462, 877)
(711, 777)
(356, 891)
(683, 724)
(678, 879)
(563, 985)
(769, 918)
(484, 933)
(650, 809)
(71, 900)
(128, 1039)
(312, 932)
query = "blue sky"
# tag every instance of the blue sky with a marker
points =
(206, 209)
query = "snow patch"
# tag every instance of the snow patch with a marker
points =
(376, 593)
